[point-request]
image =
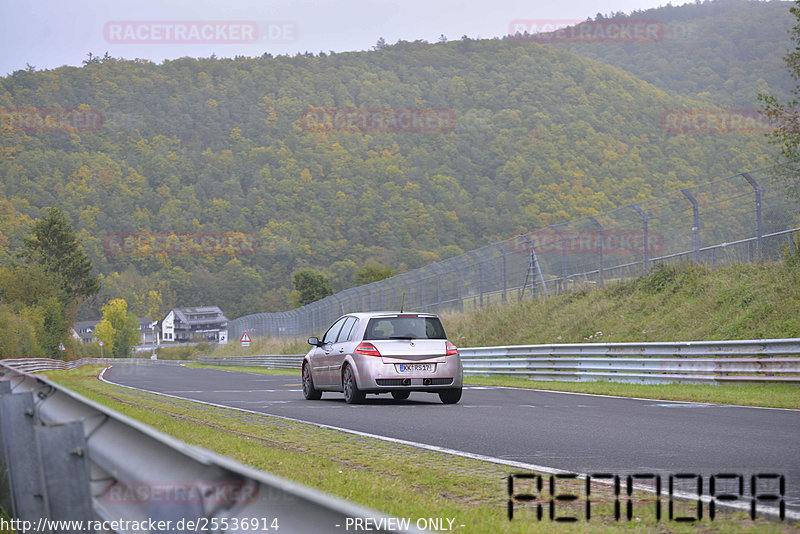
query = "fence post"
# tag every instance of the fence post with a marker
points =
(563, 258)
(341, 304)
(438, 286)
(759, 232)
(394, 292)
(503, 253)
(601, 230)
(644, 225)
(460, 284)
(480, 274)
(407, 304)
(696, 225)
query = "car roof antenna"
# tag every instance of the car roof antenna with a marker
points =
(402, 302)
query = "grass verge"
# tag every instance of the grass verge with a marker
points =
(684, 302)
(765, 395)
(399, 480)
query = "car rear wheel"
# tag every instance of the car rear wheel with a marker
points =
(400, 395)
(309, 391)
(450, 396)
(352, 395)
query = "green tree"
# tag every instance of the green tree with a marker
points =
(372, 272)
(54, 246)
(19, 338)
(53, 327)
(342, 274)
(786, 115)
(118, 329)
(310, 286)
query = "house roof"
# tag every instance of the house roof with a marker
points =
(200, 315)
(85, 324)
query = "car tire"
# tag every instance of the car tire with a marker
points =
(400, 395)
(309, 391)
(450, 396)
(352, 395)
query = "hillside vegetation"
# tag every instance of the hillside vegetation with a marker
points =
(673, 303)
(732, 44)
(540, 135)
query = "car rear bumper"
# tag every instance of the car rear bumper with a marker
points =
(373, 375)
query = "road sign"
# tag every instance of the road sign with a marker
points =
(61, 346)
(245, 339)
(101, 342)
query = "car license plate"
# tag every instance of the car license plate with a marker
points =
(415, 367)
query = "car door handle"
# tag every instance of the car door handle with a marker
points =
(341, 350)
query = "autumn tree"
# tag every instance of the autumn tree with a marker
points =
(118, 329)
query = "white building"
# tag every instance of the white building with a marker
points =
(206, 323)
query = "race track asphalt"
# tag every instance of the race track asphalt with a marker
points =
(564, 431)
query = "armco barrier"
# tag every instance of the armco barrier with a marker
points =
(759, 360)
(34, 365)
(71, 458)
(273, 361)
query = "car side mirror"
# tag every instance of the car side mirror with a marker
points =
(314, 341)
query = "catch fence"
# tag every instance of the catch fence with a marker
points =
(747, 217)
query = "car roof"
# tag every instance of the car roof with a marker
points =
(370, 315)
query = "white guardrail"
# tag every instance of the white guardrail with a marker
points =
(759, 360)
(69, 458)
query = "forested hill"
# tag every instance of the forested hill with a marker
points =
(721, 52)
(532, 135)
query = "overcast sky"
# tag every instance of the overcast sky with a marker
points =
(50, 33)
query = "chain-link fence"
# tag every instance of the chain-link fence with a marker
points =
(742, 218)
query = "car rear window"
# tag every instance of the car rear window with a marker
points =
(404, 327)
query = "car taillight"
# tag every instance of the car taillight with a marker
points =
(450, 349)
(367, 349)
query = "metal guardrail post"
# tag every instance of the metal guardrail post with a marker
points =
(696, 225)
(63, 458)
(17, 419)
(644, 226)
(5, 489)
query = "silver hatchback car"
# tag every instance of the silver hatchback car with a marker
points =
(383, 352)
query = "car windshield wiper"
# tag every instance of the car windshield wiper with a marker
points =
(402, 337)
